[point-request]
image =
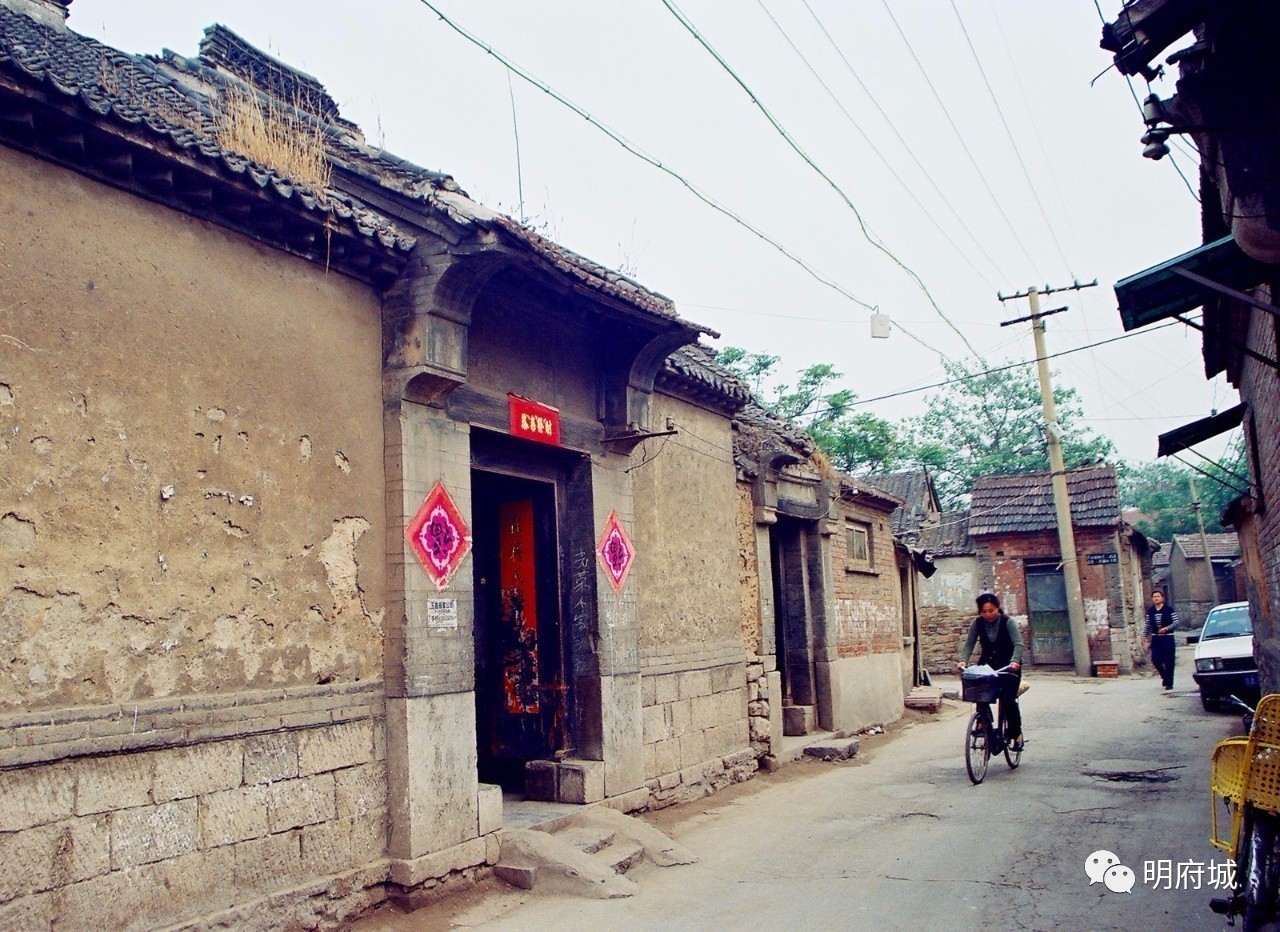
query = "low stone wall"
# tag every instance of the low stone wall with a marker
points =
(163, 835)
(696, 738)
(942, 634)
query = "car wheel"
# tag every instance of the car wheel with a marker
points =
(1209, 704)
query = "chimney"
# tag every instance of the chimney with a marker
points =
(49, 12)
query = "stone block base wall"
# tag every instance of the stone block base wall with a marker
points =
(696, 737)
(942, 634)
(759, 727)
(864, 690)
(188, 825)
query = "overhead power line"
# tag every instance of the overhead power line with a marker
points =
(963, 145)
(656, 163)
(874, 148)
(790, 140)
(1014, 365)
(1012, 141)
(905, 145)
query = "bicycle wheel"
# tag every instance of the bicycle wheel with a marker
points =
(976, 752)
(1261, 881)
(1011, 757)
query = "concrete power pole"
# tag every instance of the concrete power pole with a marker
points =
(1058, 476)
(1204, 543)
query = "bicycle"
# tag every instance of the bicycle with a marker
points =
(982, 737)
(1246, 776)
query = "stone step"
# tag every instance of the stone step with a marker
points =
(925, 698)
(799, 719)
(587, 839)
(620, 856)
(833, 749)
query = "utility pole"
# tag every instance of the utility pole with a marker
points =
(1058, 474)
(1204, 543)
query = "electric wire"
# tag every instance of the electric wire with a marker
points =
(874, 148)
(956, 215)
(960, 137)
(661, 166)
(790, 140)
(1012, 141)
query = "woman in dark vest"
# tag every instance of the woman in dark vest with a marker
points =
(1001, 647)
(1162, 621)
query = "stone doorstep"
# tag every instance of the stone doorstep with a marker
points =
(925, 698)
(833, 750)
(620, 856)
(587, 839)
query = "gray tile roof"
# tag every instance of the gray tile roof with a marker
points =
(693, 371)
(1221, 546)
(912, 486)
(760, 435)
(949, 537)
(1024, 502)
(173, 103)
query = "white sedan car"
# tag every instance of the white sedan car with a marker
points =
(1225, 664)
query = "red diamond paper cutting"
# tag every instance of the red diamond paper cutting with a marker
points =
(615, 552)
(439, 537)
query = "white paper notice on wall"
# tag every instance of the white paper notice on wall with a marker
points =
(442, 613)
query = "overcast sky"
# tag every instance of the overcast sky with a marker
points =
(940, 185)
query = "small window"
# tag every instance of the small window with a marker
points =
(859, 538)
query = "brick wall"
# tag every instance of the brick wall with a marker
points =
(868, 597)
(1002, 560)
(157, 836)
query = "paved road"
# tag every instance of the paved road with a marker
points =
(901, 840)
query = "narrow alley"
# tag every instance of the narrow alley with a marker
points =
(898, 838)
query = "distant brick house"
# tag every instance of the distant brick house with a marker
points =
(1013, 526)
(1189, 585)
(946, 605)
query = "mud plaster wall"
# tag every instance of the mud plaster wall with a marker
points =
(685, 533)
(748, 570)
(190, 454)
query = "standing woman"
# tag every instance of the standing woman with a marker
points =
(1162, 621)
(1001, 647)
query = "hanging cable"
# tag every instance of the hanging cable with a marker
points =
(1012, 141)
(963, 145)
(866, 231)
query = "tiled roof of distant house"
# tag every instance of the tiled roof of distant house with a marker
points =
(913, 487)
(949, 537)
(1221, 546)
(1024, 502)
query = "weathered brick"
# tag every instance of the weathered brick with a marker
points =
(693, 749)
(152, 833)
(666, 688)
(270, 757)
(36, 795)
(233, 815)
(648, 690)
(344, 745)
(305, 801)
(326, 848)
(360, 790)
(207, 768)
(681, 717)
(655, 724)
(104, 784)
(29, 913)
(149, 896)
(28, 862)
(266, 864)
(83, 849)
(694, 683)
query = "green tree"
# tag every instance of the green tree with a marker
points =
(1161, 493)
(986, 423)
(854, 441)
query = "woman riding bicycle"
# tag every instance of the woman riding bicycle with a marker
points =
(1001, 647)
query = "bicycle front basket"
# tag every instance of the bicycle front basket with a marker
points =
(979, 684)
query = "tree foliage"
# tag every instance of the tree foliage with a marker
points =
(1161, 493)
(983, 423)
(854, 441)
(986, 423)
